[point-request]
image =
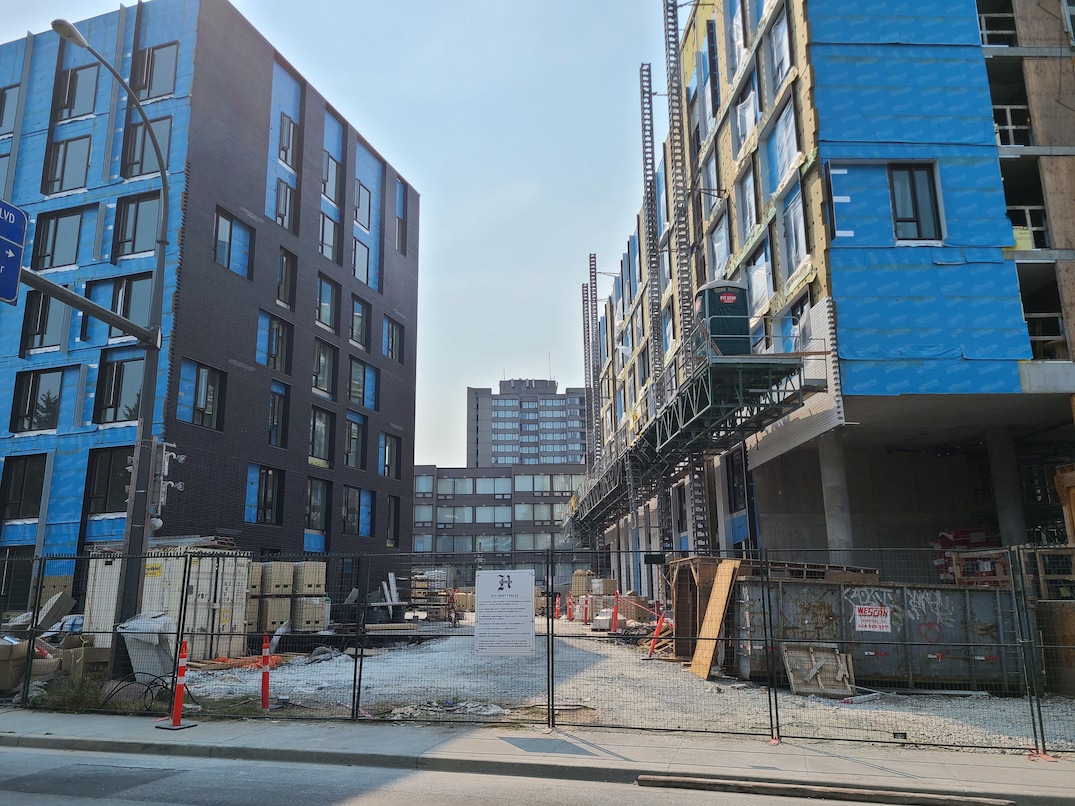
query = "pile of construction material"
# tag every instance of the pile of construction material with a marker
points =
(279, 592)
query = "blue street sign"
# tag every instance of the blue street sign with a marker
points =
(12, 243)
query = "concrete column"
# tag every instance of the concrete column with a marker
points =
(830, 452)
(1007, 488)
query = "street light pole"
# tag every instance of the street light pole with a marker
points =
(135, 533)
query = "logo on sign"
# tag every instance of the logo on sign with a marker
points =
(873, 618)
(728, 298)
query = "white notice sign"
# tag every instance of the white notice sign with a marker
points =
(504, 612)
(873, 618)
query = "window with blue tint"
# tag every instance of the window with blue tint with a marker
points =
(392, 339)
(136, 225)
(9, 106)
(274, 342)
(278, 394)
(366, 228)
(139, 156)
(264, 495)
(331, 173)
(328, 302)
(22, 484)
(75, 92)
(234, 244)
(36, 402)
(362, 389)
(56, 239)
(401, 216)
(354, 441)
(119, 386)
(66, 165)
(153, 71)
(390, 456)
(284, 158)
(668, 328)
(317, 505)
(201, 395)
(358, 511)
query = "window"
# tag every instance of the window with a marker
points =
(392, 340)
(915, 214)
(328, 295)
(285, 205)
(759, 273)
(422, 543)
(779, 51)
(317, 505)
(278, 395)
(56, 239)
(401, 216)
(362, 205)
(330, 178)
(494, 486)
(392, 522)
(201, 395)
(424, 484)
(746, 113)
(153, 71)
(320, 437)
(718, 250)
(288, 129)
(451, 515)
(360, 323)
(265, 495)
(274, 342)
(42, 325)
(67, 165)
(360, 261)
(782, 147)
(363, 384)
(330, 238)
(76, 89)
(324, 374)
(423, 513)
(391, 456)
(9, 105)
(109, 479)
(358, 511)
(130, 299)
(285, 278)
(139, 157)
(136, 224)
(234, 244)
(794, 233)
(36, 405)
(455, 486)
(354, 443)
(736, 35)
(119, 389)
(748, 205)
(23, 481)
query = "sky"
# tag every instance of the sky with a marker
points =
(519, 125)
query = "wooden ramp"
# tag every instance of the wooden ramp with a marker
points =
(706, 648)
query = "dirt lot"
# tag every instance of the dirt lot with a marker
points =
(605, 682)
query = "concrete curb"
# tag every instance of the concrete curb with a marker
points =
(608, 773)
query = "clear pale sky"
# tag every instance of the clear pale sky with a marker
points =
(518, 123)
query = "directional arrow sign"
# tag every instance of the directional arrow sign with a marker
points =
(12, 242)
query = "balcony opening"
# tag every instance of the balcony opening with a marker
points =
(1043, 312)
(1025, 202)
(1011, 113)
(996, 23)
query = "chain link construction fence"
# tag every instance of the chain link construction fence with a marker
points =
(955, 648)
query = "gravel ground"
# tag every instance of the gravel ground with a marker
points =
(601, 682)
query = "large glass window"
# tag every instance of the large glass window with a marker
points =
(362, 205)
(274, 342)
(130, 299)
(285, 278)
(330, 238)
(136, 224)
(119, 389)
(423, 484)
(138, 156)
(234, 244)
(288, 129)
(423, 513)
(278, 395)
(915, 215)
(23, 481)
(56, 239)
(42, 325)
(285, 205)
(794, 233)
(317, 493)
(36, 403)
(201, 395)
(67, 164)
(328, 302)
(9, 105)
(324, 371)
(360, 323)
(75, 93)
(780, 51)
(358, 507)
(354, 444)
(362, 388)
(153, 71)
(320, 437)
(330, 178)
(392, 522)
(391, 456)
(360, 261)
(265, 501)
(392, 339)
(109, 479)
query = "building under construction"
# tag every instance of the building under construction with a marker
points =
(891, 190)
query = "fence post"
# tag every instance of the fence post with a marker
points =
(360, 638)
(31, 635)
(550, 670)
(770, 648)
(1028, 648)
(181, 622)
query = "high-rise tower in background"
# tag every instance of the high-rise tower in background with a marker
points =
(287, 373)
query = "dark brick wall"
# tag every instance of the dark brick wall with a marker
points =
(216, 311)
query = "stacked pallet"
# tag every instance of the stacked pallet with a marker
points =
(429, 597)
(283, 591)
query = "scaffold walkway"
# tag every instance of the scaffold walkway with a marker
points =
(725, 400)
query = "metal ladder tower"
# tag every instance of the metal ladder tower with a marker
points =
(653, 286)
(588, 372)
(677, 148)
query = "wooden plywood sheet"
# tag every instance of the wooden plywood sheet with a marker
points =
(706, 648)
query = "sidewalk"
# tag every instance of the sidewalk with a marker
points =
(886, 775)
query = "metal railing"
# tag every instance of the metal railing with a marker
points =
(1012, 125)
(1030, 226)
(998, 29)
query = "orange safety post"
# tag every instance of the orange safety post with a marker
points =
(570, 609)
(586, 608)
(557, 606)
(615, 611)
(656, 635)
(265, 671)
(180, 685)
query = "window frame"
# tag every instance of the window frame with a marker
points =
(10, 484)
(361, 273)
(394, 335)
(269, 501)
(359, 304)
(26, 401)
(333, 247)
(322, 426)
(138, 147)
(324, 371)
(929, 170)
(391, 462)
(233, 222)
(285, 205)
(363, 211)
(327, 312)
(286, 270)
(278, 411)
(208, 410)
(123, 297)
(126, 232)
(144, 69)
(113, 380)
(55, 178)
(67, 93)
(43, 321)
(278, 345)
(286, 150)
(331, 175)
(9, 107)
(98, 476)
(354, 444)
(322, 527)
(46, 233)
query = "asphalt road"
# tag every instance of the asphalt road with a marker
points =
(68, 778)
